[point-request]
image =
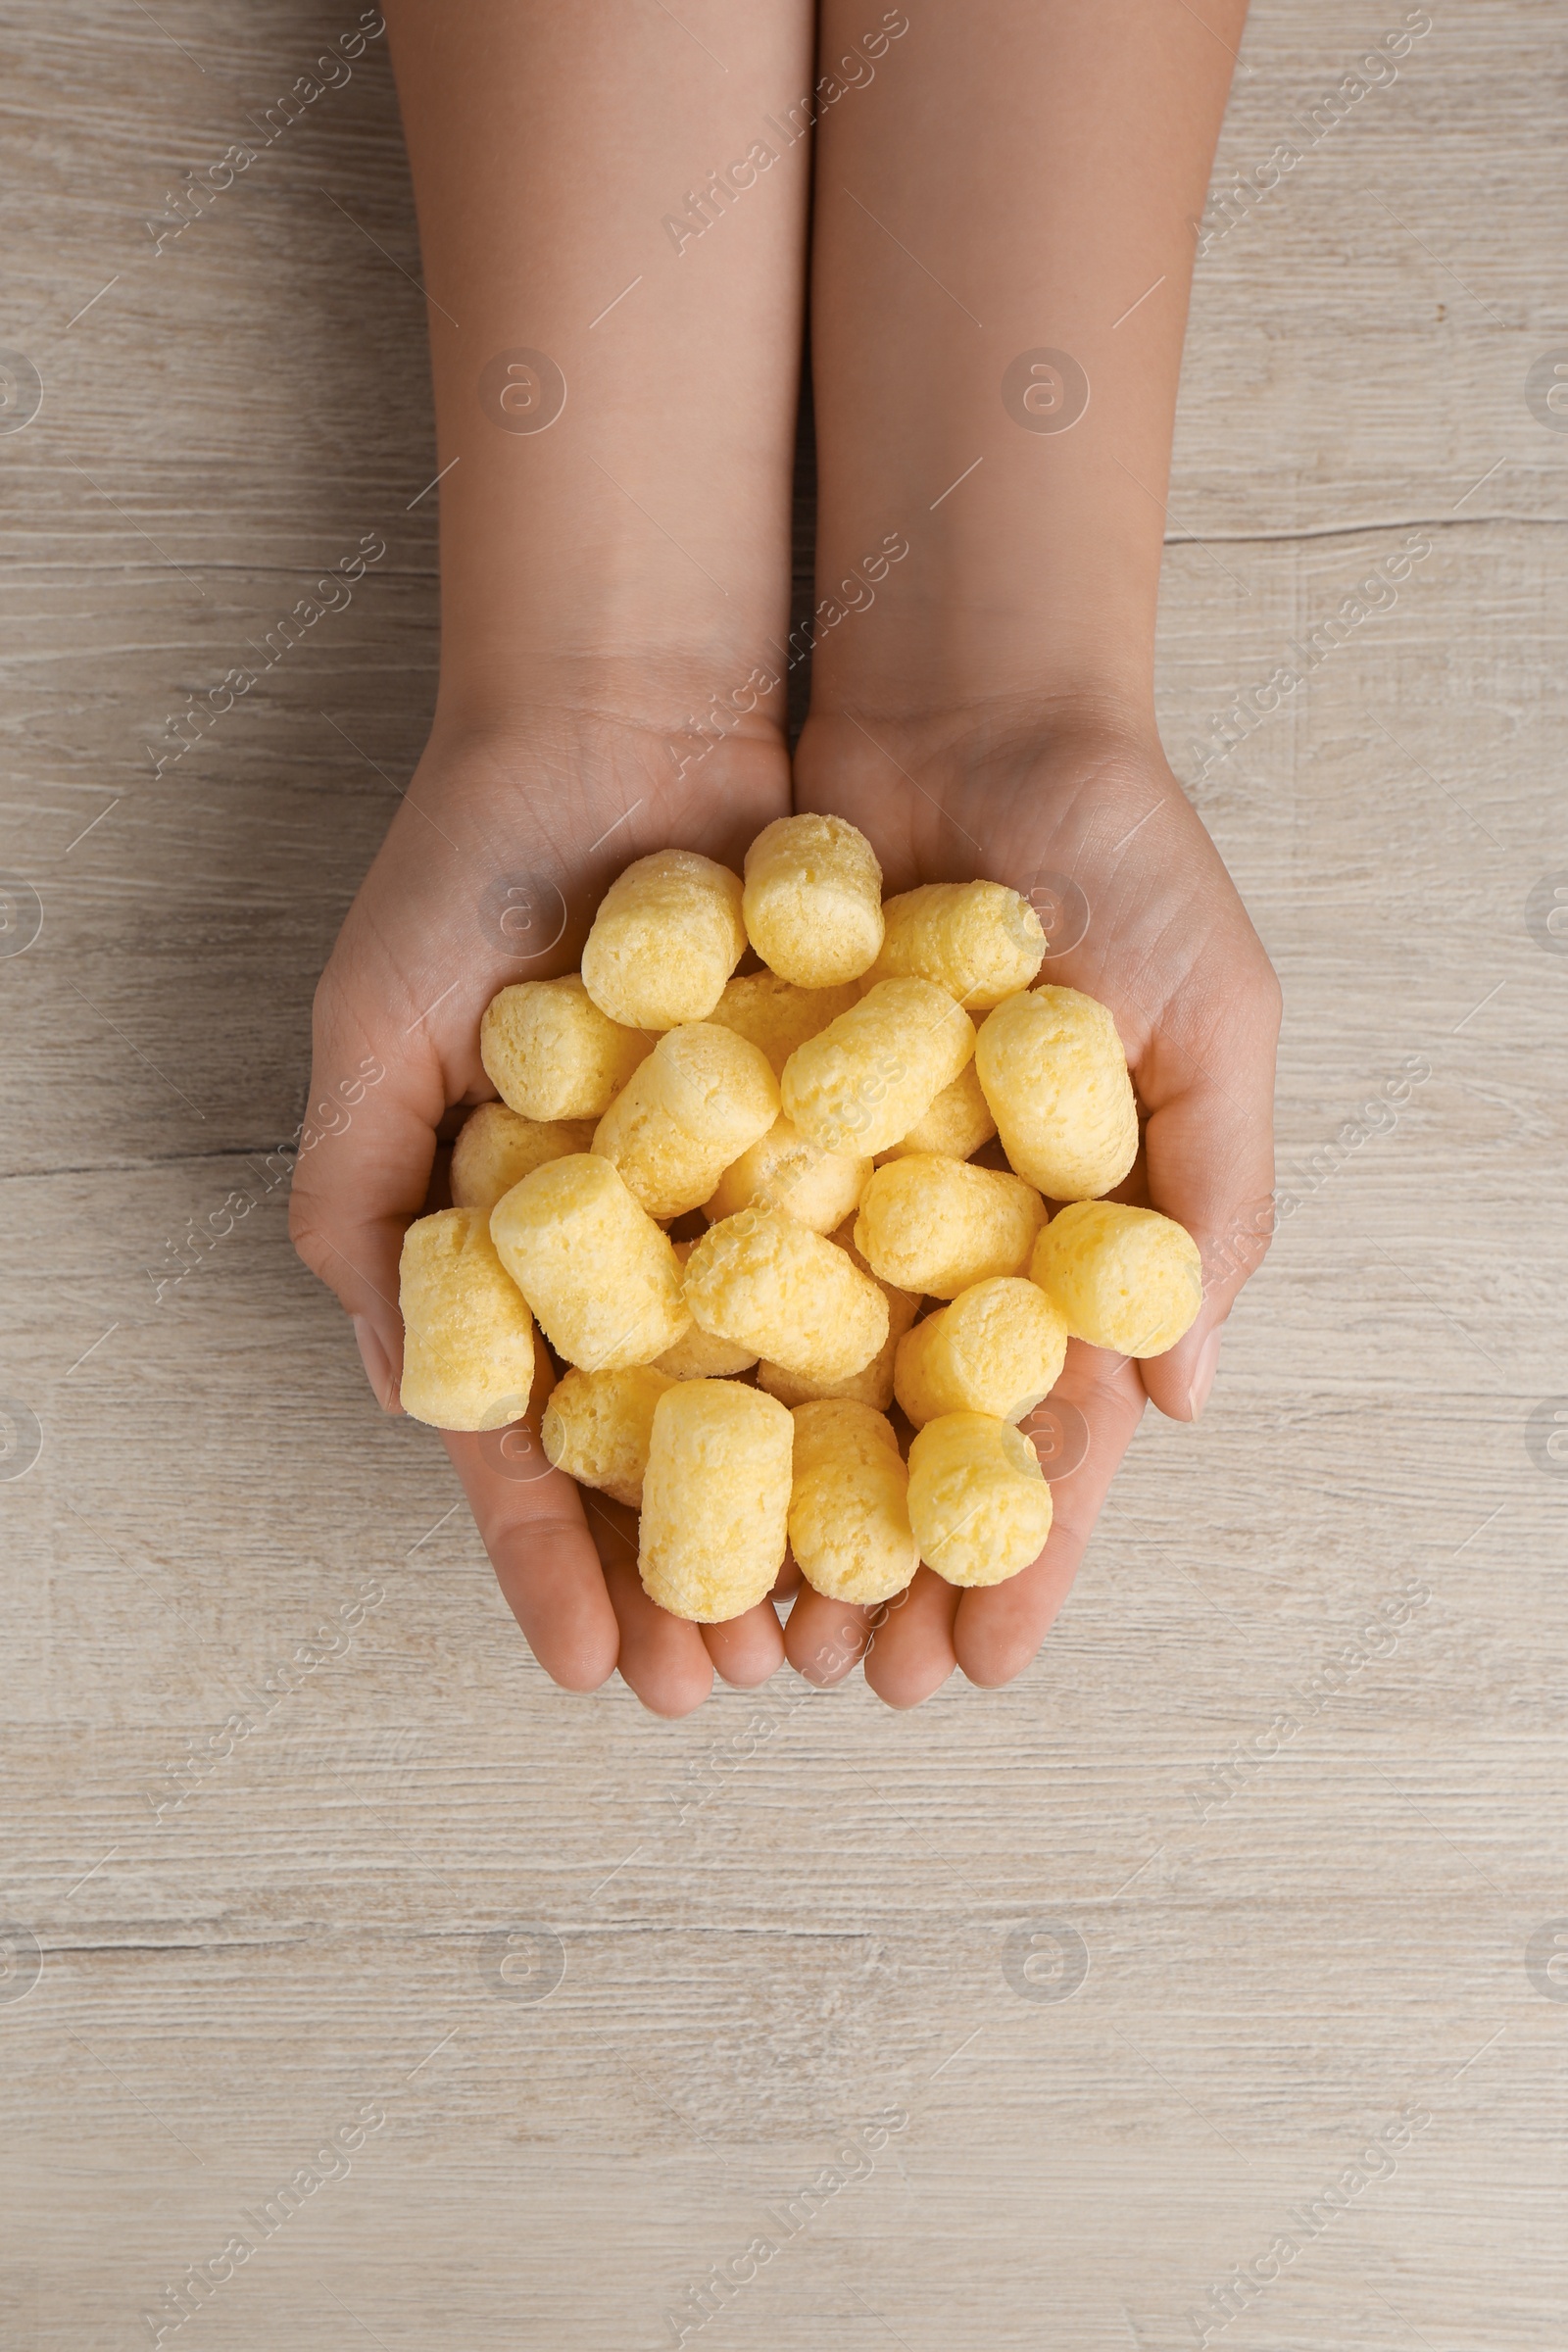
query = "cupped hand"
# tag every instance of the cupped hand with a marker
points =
(1084, 817)
(490, 873)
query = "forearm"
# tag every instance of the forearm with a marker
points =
(626, 550)
(1044, 161)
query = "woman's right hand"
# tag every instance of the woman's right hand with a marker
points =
(490, 873)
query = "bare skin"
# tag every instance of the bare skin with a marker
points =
(602, 578)
(993, 711)
(990, 712)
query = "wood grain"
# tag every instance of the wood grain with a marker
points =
(792, 1913)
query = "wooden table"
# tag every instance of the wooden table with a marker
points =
(1132, 1960)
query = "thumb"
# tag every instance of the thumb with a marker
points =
(1209, 1145)
(366, 1150)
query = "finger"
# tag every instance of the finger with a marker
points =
(1000, 1627)
(530, 1519)
(826, 1640)
(1209, 1145)
(910, 1654)
(663, 1658)
(788, 1578)
(747, 1649)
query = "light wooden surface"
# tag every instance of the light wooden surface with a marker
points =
(323, 1925)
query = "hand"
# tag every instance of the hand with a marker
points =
(558, 806)
(1169, 948)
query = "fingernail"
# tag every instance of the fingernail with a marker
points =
(377, 1364)
(1203, 1376)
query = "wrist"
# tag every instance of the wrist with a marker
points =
(1032, 576)
(680, 702)
(1086, 724)
(560, 589)
(947, 644)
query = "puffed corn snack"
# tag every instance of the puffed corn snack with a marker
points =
(848, 1517)
(873, 1384)
(603, 1280)
(999, 1348)
(716, 1499)
(763, 1281)
(497, 1148)
(783, 1170)
(598, 1427)
(703, 1097)
(978, 940)
(551, 1054)
(468, 1335)
(1120, 1277)
(1056, 1077)
(666, 937)
(938, 1225)
(813, 899)
(824, 1114)
(979, 1503)
(861, 1082)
